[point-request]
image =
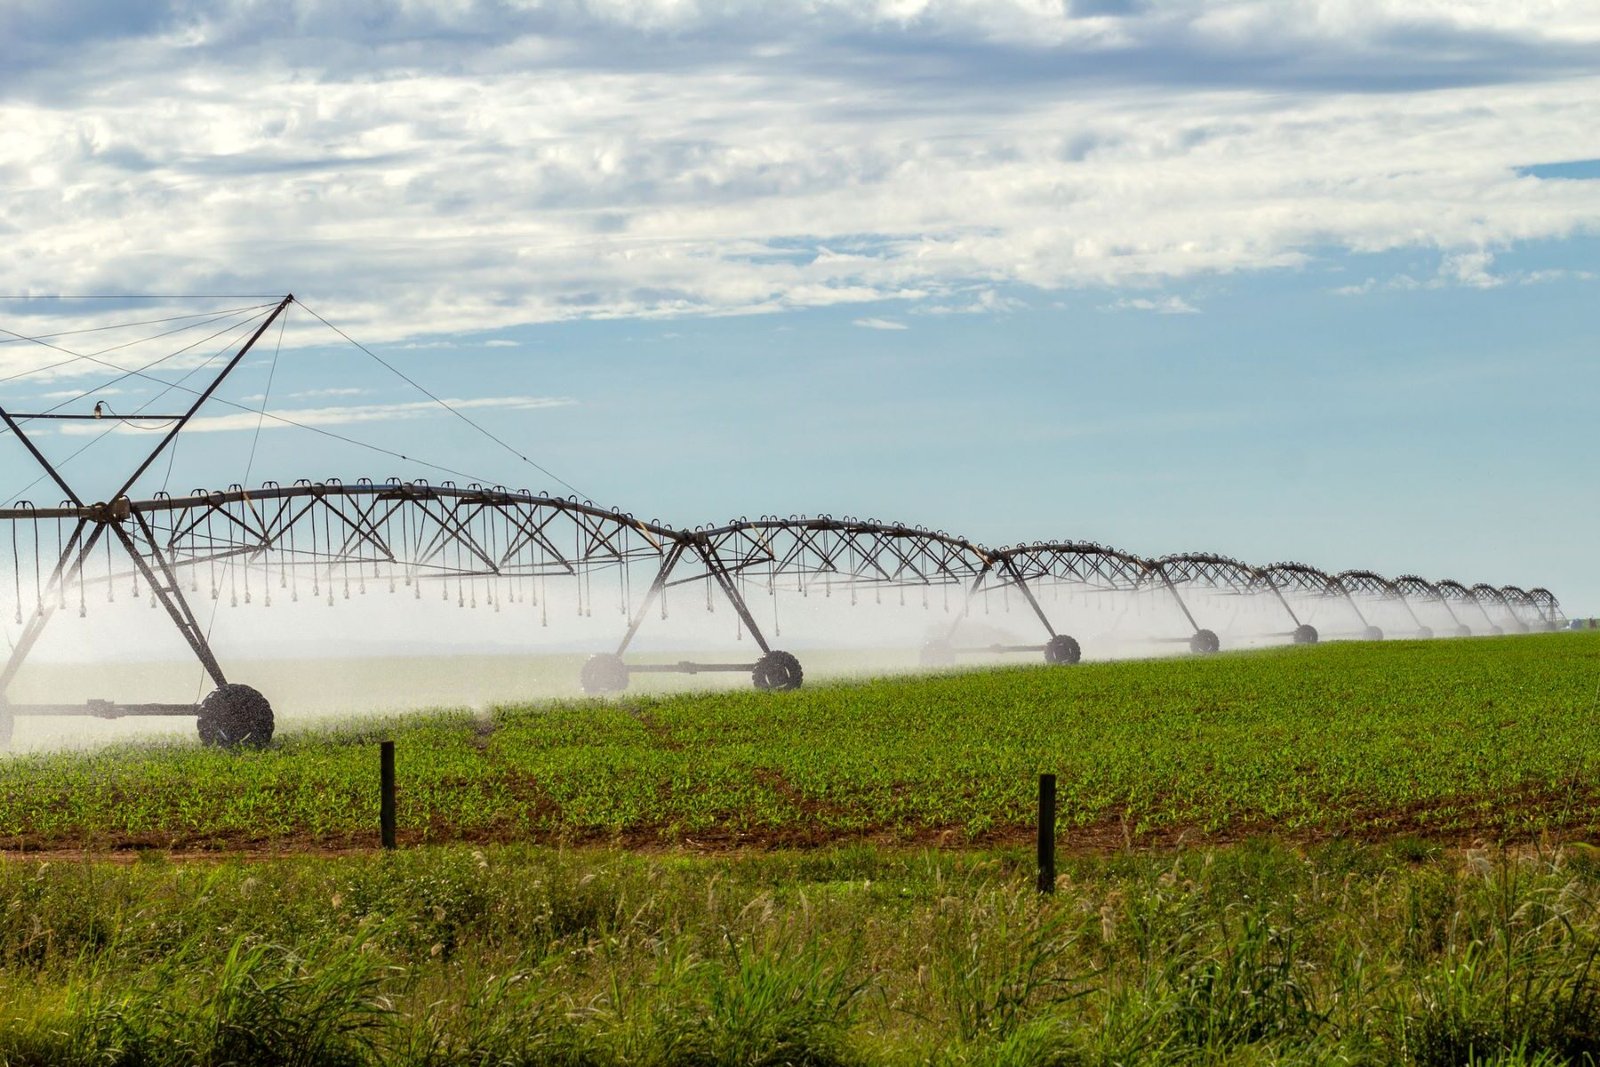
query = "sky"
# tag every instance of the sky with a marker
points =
(1316, 281)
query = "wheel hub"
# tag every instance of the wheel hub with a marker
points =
(234, 716)
(604, 673)
(777, 672)
(1062, 650)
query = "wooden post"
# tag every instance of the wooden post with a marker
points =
(386, 784)
(1047, 833)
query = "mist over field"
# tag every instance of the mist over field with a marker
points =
(343, 642)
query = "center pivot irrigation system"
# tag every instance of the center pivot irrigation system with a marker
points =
(499, 546)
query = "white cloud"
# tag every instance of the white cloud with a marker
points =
(311, 394)
(415, 170)
(1167, 305)
(1539, 277)
(878, 324)
(344, 416)
(73, 394)
(500, 342)
(1401, 282)
(985, 302)
(1471, 270)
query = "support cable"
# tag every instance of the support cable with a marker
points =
(250, 461)
(272, 372)
(43, 341)
(168, 387)
(445, 404)
(288, 421)
(140, 296)
(124, 376)
(129, 325)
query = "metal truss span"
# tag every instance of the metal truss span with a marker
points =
(846, 551)
(493, 544)
(1030, 570)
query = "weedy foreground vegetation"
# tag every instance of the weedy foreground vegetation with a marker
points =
(1363, 854)
(1459, 740)
(1254, 953)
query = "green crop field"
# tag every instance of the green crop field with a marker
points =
(1450, 740)
(1357, 853)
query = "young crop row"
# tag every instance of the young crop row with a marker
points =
(1490, 737)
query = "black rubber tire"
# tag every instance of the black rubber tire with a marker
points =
(1062, 651)
(1424, 634)
(1551, 626)
(1495, 631)
(1372, 633)
(777, 672)
(235, 716)
(1463, 631)
(936, 654)
(1522, 627)
(1204, 642)
(1305, 634)
(603, 673)
(8, 724)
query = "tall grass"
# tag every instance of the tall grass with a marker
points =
(1260, 953)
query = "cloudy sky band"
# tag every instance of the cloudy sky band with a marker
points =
(840, 153)
(1109, 266)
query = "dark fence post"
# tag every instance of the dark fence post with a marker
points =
(1047, 833)
(386, 783)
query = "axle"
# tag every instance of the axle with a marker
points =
(609, 673)
(230, 716)
(105, 709)
(686, 667)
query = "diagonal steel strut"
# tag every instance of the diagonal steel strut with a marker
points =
(164, 585)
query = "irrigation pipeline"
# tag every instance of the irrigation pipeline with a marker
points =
(491, 544)
(414, 531)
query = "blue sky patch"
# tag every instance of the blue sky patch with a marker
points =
(1572, 170)
(1264, 279)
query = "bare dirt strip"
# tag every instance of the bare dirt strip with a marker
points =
(1114, 834)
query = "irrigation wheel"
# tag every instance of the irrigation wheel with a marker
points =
(1204, 642)
(604, 673)
(1463, 631)
(1372, 633)
(8, 723)
(777, 672)
(1062, 650)
(1305, 634)
(936, 654)
(1496, 631)
(232, 716)
(1425, 633)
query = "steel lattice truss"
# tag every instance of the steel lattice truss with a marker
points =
(1367, 583)
(1082, 563)
(1212, 572)
(414, 529)
(1304, 579)
(847, 551)
(1223, 574)
(497, 543)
